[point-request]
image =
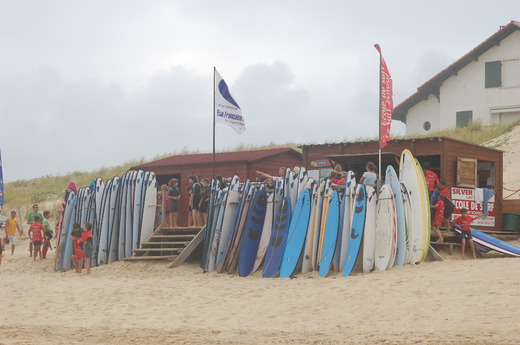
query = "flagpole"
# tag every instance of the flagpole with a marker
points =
(380, 84)
(214, 70)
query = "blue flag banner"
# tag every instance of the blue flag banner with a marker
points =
(226, 108)
(1, 185)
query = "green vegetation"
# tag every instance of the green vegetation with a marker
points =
(50, 188)
(475, 133)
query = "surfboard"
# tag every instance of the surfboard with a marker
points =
(272, 208)
(149, 207)
(252, 233)
(369, 235)
(102, 253)
(64, 235)
(230, 211)
(356, 232)
(350, 193)
(410, 176)
(327, 193)
(230, 260)
(317, 224)
(137, 208)
(408, 213)
(492, 242)
(385, 228)
(426, 209)
(273, 255)
(122, 216)
(296, 235)
(392, 180)
(311, 228)
(113, 220)
(331, 235)
(212, 256)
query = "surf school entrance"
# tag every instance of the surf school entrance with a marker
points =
(463, 166)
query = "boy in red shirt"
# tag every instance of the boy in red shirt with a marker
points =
(36, 235)
(86, 240)
(431, 178)
(439, 217)
(465, 226)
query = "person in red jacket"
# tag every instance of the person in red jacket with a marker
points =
(465, 226)
(36, 232)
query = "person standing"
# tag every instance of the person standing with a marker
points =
(204, 202)
(86, 240)
(173, 196)
(431, 178)
(194, 200)
(30, 220)
(465, 226)
(11, 226)
(48, 233)
(36, 235)
(370, 176)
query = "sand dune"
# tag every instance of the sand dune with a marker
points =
(455, 301)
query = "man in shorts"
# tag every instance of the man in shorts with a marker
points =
(11, 226)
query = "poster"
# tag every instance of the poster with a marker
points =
(466, 198)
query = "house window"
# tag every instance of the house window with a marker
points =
(510, 73)
(427, 125)
(493, 74)
(464, 118)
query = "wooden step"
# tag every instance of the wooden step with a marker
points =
(142, 250)
(158, 257)
(171, 237)
(180, 243)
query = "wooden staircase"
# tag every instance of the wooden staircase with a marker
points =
(169, 244)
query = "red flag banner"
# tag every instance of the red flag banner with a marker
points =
(386, 106)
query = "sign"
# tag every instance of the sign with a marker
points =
(321, 163)
(465, 198)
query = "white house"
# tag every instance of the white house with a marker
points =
(482, 85)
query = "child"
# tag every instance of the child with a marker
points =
(86, 239)
(36, 235)
(174, 195)
(439, 217)
(48, 233)
(78, 256)
(465, 226)
(2, 253)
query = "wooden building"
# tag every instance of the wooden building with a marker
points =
(463, 166)
(242, 163)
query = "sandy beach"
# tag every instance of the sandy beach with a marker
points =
(455, 301)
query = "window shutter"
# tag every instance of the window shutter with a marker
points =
(464, 118)
(466, 172)
(493, 74)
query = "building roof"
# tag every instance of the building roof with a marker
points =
(220, 157)
(433, 85)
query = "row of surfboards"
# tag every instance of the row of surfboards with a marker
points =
(122, 213)
(305, 225)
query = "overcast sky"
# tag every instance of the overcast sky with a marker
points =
(88, 84)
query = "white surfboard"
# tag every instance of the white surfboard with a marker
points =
(410, 176)
(385, 228)
(369, 236)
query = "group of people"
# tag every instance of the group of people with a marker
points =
(198, 194)
(40, 232)
(442, 209)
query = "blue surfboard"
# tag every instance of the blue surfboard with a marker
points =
(273, 256)
(296, 235)
(252, 231)
(356, 231)
(331, 235)
(491, 242)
